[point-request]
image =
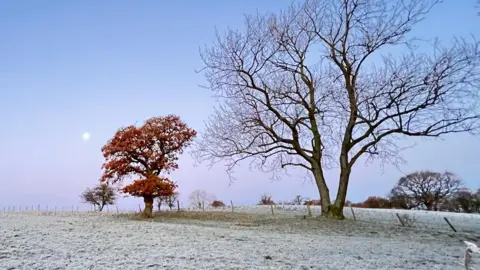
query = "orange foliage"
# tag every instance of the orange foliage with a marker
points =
(217, 204)
(153, 186)
(374, 202)
(313, 202)
(146, 150)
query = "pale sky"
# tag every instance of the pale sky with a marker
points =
(70, 67)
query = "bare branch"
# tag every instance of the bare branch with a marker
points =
(315, 87)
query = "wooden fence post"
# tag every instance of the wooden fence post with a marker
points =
(353, 213)
(450, 224)
(231, 203)
(399, 218)
(273, 211)
(178, 206)
(309, 210)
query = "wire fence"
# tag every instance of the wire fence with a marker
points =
(456, 222)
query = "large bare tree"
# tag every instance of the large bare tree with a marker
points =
(426, 188)
(327, 83)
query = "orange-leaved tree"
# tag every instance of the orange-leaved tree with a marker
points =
(150, 188)
(146, 151)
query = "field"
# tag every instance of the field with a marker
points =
(250, 238)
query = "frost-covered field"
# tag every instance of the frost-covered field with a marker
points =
(420, 219)
(38, 240)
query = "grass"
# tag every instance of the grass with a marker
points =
(215, 216)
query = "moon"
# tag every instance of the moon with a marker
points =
(86, 136)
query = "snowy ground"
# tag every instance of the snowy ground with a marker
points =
(419, 219)
(38, 240)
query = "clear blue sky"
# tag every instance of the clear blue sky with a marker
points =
(67, 67)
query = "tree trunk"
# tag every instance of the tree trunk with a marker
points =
(429, 205)
(322, 188)
(337, 207)
(148, 211)
(159, 205)
(100, 208)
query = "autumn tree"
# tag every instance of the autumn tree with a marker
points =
(146, 152)
(99, 196)
(314, 87)
(427, 188)
(199, 197)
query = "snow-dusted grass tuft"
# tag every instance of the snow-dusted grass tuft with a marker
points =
(469, 261)
(429, 220)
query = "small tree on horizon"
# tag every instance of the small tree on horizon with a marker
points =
(169, 200)
(99, 196)
(298, 200)
(199, 197)
(146, 151)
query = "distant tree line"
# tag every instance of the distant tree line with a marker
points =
(428, 190)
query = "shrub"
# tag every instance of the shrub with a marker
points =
(313, 202)
(266, 200)
(217, 204)
(374, 202)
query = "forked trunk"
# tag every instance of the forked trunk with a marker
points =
(148, 211)
(322, 188)
(337, 207)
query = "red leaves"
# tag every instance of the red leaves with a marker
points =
(153, 186)
(146, 150)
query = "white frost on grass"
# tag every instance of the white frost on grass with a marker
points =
(103, 241)
(462, 222)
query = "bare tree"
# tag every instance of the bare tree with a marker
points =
(199, 197)
(313, 87)
(426, 188)
(402, 201)
(99, 196)
(169, 200)
(464, 200)
(298, 200)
